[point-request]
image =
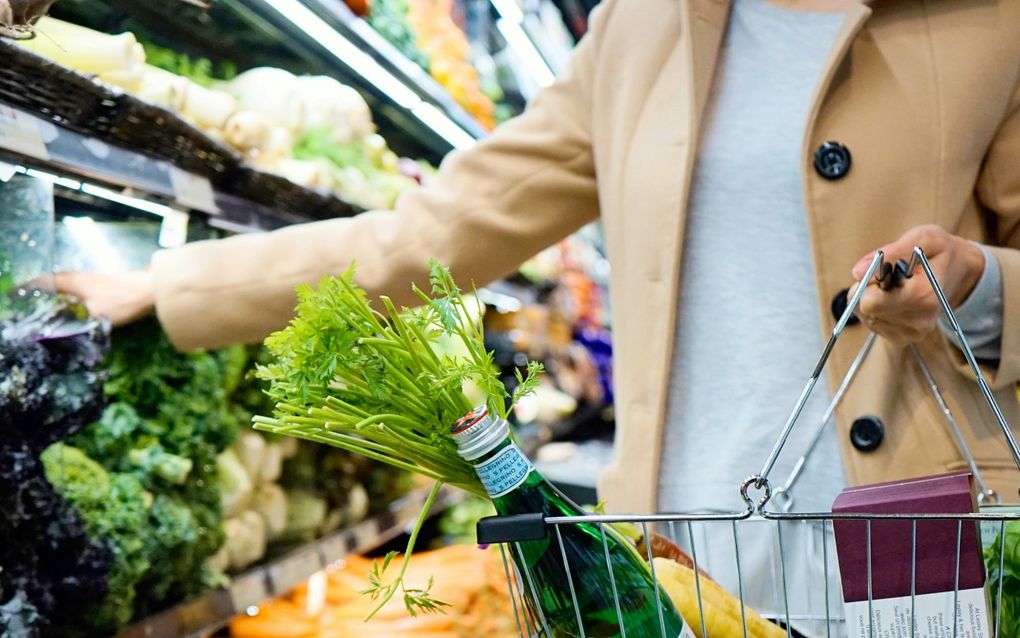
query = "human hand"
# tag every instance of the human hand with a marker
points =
(120, 297)
(908, 313)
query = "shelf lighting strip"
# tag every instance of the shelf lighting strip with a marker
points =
(137, 203)
(510, 24)
(364, 65)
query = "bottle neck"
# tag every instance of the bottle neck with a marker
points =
(503, 469)
(510, 479)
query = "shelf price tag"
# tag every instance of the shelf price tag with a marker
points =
(173, 231)
(7, 171)
(193, 191)
(20, 133)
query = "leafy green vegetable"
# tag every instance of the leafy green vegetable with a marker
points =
(50, 567)
(114, 508)
(378, 384)
(201, 71)
(169, 420)
(360, 172)
(389, 18)
(1002, 562)
(458, 524)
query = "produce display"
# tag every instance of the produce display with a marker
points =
(425, 32)
(255, 507)
(144, 475)
(471, 579)
(313, 130)
(148, 501)
(389, 18)
(54, 565)
(448, 51)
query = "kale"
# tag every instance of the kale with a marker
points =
(49, 389)
(18, 616)
(168, 420)
(47, 556)
(49, 351)
(114, 508)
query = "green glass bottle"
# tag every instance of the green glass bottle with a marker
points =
(517, 488)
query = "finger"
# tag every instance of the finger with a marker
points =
(933, 239)
(914, 299)
(902, 333)
(861, 267)
(43, 282)
(891, 332)
(69, 283)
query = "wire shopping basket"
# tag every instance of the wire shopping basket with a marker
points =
(772, 561)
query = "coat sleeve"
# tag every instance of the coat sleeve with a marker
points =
(999, 191)
(528, 185)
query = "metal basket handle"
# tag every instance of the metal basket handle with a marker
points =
(887, 276)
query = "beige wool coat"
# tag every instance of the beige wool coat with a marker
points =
(924, 94)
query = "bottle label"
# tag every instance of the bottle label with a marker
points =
(686, 633)
(504, 472)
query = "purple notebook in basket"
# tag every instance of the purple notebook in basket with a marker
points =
(891, 541)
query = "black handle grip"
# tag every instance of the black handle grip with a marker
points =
(507, 529)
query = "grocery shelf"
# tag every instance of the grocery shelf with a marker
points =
(401, 91)
(85, 165)
(416, 115)
(208, 613)
(357, 29)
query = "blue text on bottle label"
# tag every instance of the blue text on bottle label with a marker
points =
(504, 472)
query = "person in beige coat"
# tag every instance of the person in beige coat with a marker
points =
(923, 95)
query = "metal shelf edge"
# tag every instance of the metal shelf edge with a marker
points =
(32, 141)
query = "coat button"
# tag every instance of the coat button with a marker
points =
(866, 433)
(832, 160)
(839, 304)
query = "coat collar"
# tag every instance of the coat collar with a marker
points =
(708, 20)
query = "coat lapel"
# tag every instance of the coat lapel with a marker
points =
(647, 235)
(651, 237)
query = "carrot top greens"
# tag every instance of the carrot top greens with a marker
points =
(383, 384)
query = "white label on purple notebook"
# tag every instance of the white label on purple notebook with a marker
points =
(932, 615)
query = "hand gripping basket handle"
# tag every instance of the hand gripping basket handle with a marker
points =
(887, 277)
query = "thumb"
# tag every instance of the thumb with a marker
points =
(861, 267)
